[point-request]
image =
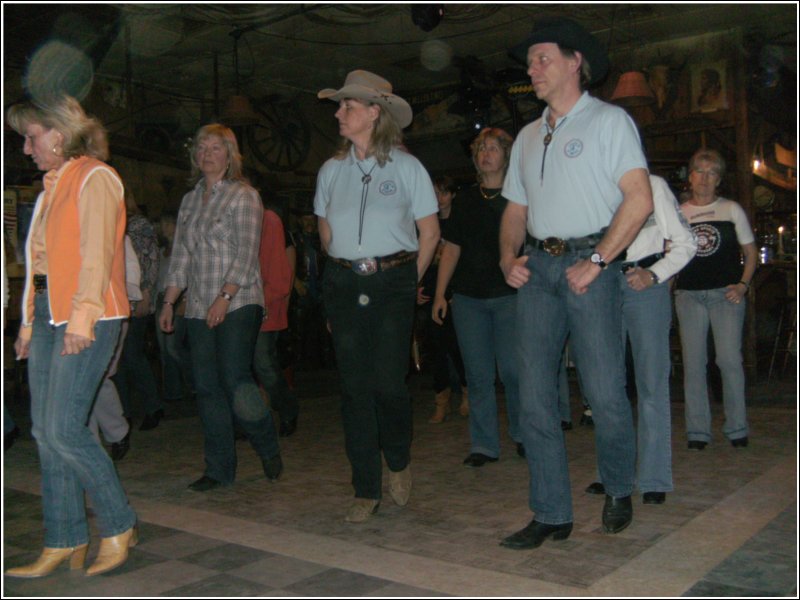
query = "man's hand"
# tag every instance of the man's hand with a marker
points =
(515, 271)
(581, 275)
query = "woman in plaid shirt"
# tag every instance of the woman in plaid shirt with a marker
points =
(215, 258)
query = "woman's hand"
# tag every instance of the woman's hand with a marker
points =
(217, 311)
(422, 298)
(22, 348)
(439, 310)
(75, 344)
(639, 279)
(735, 292)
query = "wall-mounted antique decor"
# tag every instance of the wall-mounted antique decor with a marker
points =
(709, 86)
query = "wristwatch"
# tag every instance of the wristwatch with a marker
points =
(598, 260)
(654, 277)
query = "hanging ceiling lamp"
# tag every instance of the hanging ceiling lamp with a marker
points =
(238, 110)
(633, 90)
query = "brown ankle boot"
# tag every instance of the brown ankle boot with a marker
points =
(113, 552)
(49, 559)
(442, 406)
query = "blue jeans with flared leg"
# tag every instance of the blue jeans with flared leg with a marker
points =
(222, 360)
(63, 389)
(487, 336)
(696, 310)
(266, 365)
(547, 311)
(647, 316)
(371, 321)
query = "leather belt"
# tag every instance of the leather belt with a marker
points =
(647, 261)
(40, 283)
(369, 266)
(556, 246)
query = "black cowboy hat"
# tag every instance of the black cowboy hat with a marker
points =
(567, 34)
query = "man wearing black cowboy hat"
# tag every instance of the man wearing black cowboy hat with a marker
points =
(579, 193)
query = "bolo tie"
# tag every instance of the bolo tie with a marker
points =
(547, 139)
(367, 177)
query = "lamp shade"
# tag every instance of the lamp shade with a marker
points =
(632, 90)
(238, 111)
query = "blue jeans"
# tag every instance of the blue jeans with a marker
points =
(646, 317)
(487, 335)
(134, 369)
(270, 375)
(371, 321)
(63, 389)
(176, 363)
(222, 360)
(547, 311)
(696, 309)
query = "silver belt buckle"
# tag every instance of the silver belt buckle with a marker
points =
(364, 266)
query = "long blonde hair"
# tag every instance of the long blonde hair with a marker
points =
(386, 135)
(235, 168)
(83, 135)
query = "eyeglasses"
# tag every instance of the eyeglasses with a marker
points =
(709, 172)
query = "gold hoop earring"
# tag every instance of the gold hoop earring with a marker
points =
(57, 151)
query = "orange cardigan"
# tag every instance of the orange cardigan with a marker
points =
(66, 269)
(275, 272)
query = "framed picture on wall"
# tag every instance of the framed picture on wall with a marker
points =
(709, 86)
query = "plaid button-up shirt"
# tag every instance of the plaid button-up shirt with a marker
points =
(217, 243)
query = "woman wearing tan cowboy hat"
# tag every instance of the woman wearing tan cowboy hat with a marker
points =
(371, 199)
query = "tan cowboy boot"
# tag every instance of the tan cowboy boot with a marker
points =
(442, 406)
(113, 552)
(49, 559)
(400, 485)
(362, 509)
(464, 408)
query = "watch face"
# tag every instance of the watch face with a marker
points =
(595, 258)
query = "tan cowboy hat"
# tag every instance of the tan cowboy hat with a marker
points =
(364, 85)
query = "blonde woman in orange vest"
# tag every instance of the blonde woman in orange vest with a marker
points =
(74, 303)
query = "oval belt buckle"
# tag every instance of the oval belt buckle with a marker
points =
(554, 246)
(365, 266)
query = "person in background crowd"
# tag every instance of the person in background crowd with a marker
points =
(443, 350)
(277, 257)
(578, 193)
(10, 429)
(484, 305)
(311, 334)
(73, 304)
(661, 249)
(712, 291)
(134, 369)
(371, 199)
(215, 259)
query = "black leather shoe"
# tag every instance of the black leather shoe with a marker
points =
(535, 534)
(204, 484)
(476, 459)
(273, 467)
(152, 421)
(697, 445)
(596, 488)
(566, 425)
(739, 442)
(617, 514)
(287, 428)
(10, 437)
(520, 450)
(120, 449)
(654, 497)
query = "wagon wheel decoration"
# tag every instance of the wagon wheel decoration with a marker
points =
(281, 140)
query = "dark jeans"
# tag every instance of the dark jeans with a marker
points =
(270, 375)
(371, 319)
(134, 369)
(222, 360)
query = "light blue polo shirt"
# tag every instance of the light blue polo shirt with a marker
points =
(400, 193)
(577, 192)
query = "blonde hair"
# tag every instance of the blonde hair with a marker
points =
(83, 135)
(386, 135)
(708, 155)
(235, 168)
(502, 137)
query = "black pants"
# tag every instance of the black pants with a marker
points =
(371, 319)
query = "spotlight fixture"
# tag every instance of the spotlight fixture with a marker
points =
(427, 16)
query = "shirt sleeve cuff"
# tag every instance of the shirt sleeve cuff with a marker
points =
(81, 323)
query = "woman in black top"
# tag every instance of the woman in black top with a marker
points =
(484, 306)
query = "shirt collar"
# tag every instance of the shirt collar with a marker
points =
(579, 106)
(50, 178)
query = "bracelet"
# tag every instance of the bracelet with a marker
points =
(746, 285)
(168, 303)
(226, 295)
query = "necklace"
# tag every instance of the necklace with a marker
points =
(489, 196)
(367, 177)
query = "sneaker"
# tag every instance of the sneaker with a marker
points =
(362, 509)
